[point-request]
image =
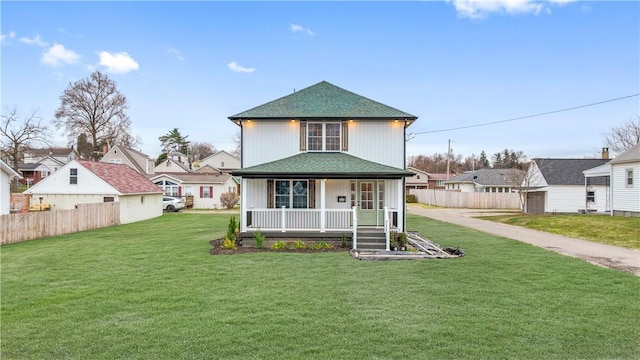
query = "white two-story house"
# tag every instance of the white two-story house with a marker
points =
(322, 160)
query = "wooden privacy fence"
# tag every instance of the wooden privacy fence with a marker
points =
(34, 225)
(469, 200)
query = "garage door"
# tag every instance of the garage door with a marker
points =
(535, 202)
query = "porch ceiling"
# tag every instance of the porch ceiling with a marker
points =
(323, 165)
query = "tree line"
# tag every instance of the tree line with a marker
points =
(440, 162)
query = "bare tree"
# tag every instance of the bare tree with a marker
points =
(199, 151)
(237, 141)
(20, 134)
(95, 107)
(621, 138)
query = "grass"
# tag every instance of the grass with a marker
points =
(150, 290)
(612, 230)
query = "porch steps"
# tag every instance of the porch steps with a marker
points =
(370, 238)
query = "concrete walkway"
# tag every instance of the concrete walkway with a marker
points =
(600, 254)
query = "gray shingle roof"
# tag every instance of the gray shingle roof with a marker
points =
(323, 100)
(569, 171)
(490, 177)
(323, 164)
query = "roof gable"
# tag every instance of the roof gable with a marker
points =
(631, 155)
(323, 100)
(9, 170)
(568, 171)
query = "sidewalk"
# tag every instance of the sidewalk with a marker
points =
(600, 254)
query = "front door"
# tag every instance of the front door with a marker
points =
(367, 203)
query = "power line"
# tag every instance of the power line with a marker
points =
(412, 135)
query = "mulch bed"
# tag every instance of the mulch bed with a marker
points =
(217, 249)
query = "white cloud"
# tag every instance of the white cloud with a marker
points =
(118, 63)
(176, 53)
(478, 9)
(57, 55)
(36, 40)
(10, 35)
(237, 68)
(299, 28)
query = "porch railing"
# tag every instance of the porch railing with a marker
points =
(284, 219)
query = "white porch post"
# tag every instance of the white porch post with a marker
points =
(402, 205)
(284, 220)
(387, 226)
(354, 237)
(243, 205)
(323, 214)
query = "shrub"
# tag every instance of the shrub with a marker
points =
(343, 243)
(232, 230)
(323, 245)
(229, 244)
(229, 199)
(279, 245)
(259, 238)
(411, 198)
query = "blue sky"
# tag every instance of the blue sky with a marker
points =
(190, 65)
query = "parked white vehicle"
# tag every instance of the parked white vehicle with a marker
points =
(171, 204)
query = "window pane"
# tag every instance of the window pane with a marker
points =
(315, 137)
(333, 137)
(282, 193)
(300, 190)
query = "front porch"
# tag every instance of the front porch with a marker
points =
(335, 226)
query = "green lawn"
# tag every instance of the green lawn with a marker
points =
(150, 290)
(612, 230)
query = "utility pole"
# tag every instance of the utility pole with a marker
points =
(448, 157)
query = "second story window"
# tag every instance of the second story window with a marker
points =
(323, 136)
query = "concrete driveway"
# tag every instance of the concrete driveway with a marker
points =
(599, 254)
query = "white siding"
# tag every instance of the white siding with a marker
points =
(335, 188)
(625, 198)
(266, 141)
(571, 198)
(256, 193)
(5, 193)
(378, 141)
(214, 201)
(68, 201)
(58, 183)
(133, 208)
(221, 159)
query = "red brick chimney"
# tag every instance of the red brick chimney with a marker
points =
(605, 153)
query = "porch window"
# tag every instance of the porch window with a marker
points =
(169, 188)
(591, 196)
(380, 195)
(292, 194)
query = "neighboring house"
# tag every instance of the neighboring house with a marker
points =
(60, 155)
(419, 180)
(7, 174)
(208, 169)
(83, 181)
(487, 180)
(558, 186)
(204, 187)
(32, 173)
(436, 180)
(179, 157)
(171, 166)
(314, 160)
(135, 159)
(221, 160)
(625, 182)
